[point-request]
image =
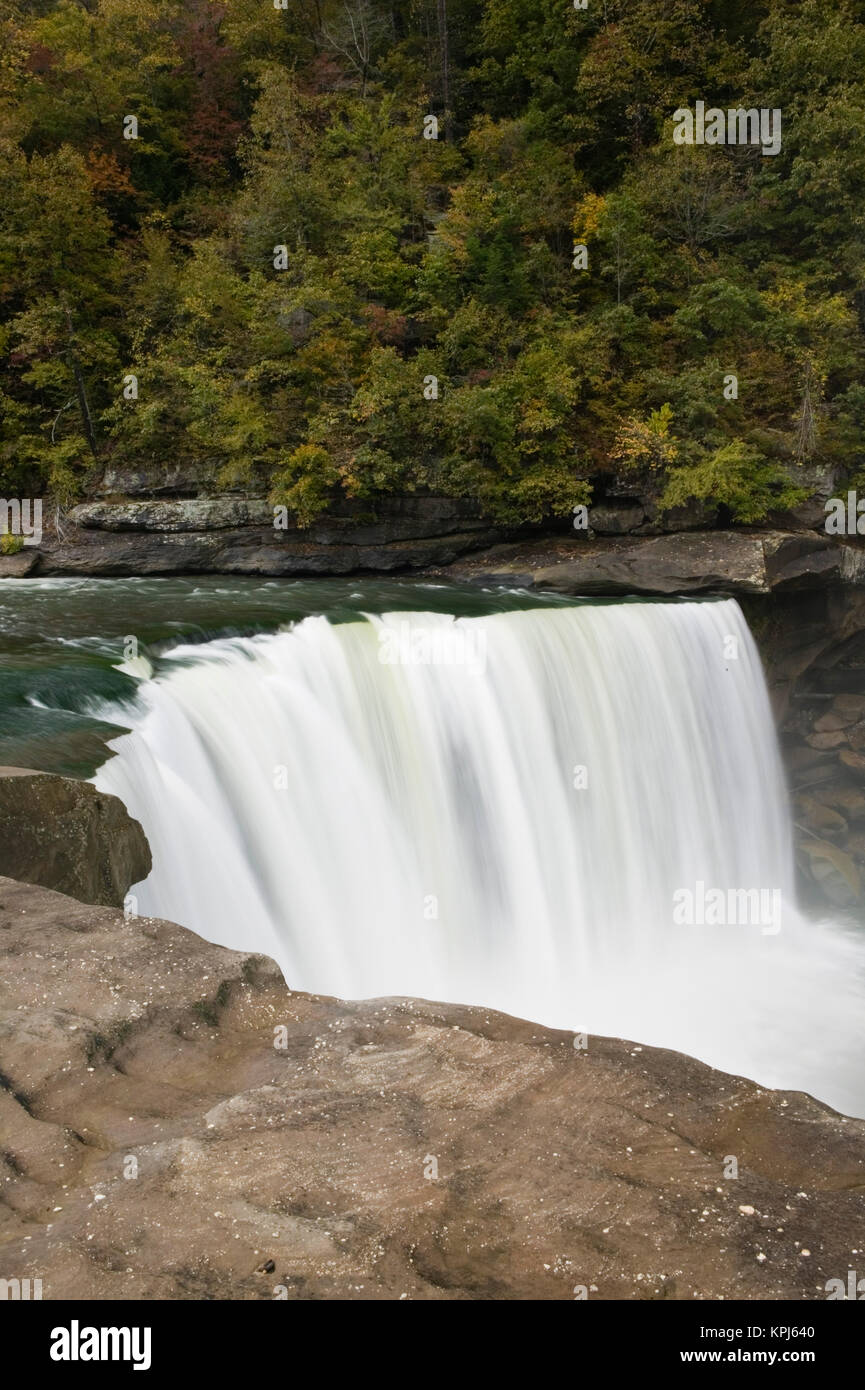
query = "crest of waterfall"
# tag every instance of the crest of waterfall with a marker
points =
(500, 811)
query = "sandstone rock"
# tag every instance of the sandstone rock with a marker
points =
(169, 534)
(823, 820)
(21, 564)
(615, 521)
(250, 551)
(849, 705)
(722, 562)
(846, 799)
(193, 514)
(680, 564)
(408, 518)
(158, 1145)
(834, 720)
(828, 740)
(237, 536)
(801, 560)
(67, 835)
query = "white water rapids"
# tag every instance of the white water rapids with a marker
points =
(382, 825)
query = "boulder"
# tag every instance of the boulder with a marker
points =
(816, 816)
(688, 563)
(65, 834)
(837, 739)
(616, 521)
(833, 721)
(847, 799)
(19, 565)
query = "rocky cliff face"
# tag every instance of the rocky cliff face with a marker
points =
(739, 563)
(178, 1124)
(180, 519)
(236, 535)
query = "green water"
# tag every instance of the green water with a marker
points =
(61, 641)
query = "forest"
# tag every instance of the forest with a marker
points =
(360, 248)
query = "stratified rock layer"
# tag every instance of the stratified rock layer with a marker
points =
(177, 1124)
(231, 535)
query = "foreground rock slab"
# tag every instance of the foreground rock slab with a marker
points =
(177, 1124)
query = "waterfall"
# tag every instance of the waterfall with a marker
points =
(507, 811)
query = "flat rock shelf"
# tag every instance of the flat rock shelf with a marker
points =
(180, 1125)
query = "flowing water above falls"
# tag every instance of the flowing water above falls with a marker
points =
(499, 810)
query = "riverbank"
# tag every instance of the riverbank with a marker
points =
(180, 1125)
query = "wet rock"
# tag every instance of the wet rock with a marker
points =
(833, 721)
(850, 801)
(822, 819)
(838, 739)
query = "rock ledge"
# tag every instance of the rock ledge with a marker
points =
(158, 1144)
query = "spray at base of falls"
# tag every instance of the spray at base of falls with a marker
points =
(508, 831)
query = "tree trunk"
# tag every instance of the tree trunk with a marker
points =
(445, 64)
(86, 417)
(81, 391)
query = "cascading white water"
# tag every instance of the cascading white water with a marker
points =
(396, 806)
